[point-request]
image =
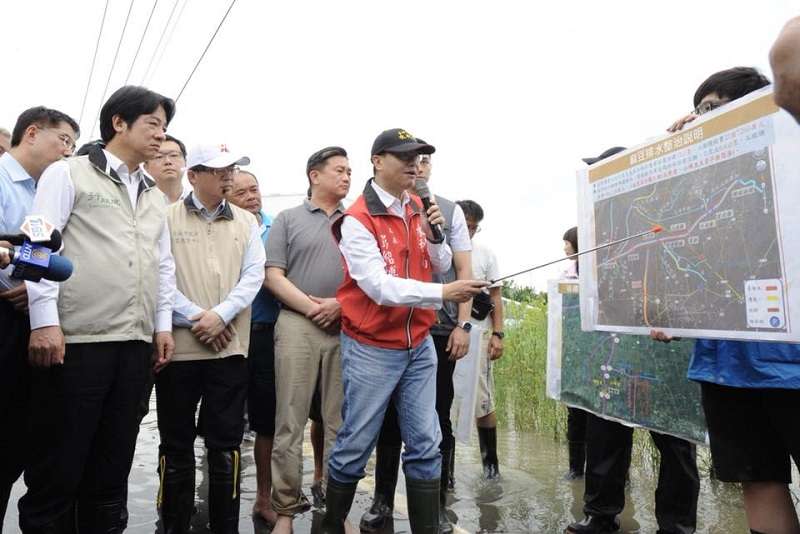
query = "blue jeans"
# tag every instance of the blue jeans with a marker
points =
(371, 376)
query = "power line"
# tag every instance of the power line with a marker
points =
(225, 16)
(169, 39)
(138, 48)
(160, 39)
(113, 64)
(94, 59)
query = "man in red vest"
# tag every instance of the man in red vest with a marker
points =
(388, 306)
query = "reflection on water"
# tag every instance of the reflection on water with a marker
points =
(531, 495)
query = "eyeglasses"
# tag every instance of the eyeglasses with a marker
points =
(174, 156)
(64, 138)
(406, 157)
(474, 228)
(709, 105)
(225, 172)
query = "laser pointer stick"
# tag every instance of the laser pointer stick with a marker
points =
(654, 230)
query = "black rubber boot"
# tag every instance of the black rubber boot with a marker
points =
(577, 460)
(487, 438)
(387, 464)
(338, 500)
(65, 524)
(223, 491)
(101, 517)
(176, 491)
(423, 506)
(594, 524)
(444, 523)
(451, 478)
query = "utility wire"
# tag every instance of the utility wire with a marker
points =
(94, 59)
(221, 22)
(138, 48)
(160, 39)
(113, 64)
(168, 40)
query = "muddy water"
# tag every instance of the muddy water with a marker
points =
(531, 495)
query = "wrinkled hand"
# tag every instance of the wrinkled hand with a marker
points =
(495, 348)
(458, 344)
(683, 121)
(221, 342)
(462, 290)
(5, 259)
(18, 296)
(163, 350)
(325, 313)
(46, 347)
(207, 326)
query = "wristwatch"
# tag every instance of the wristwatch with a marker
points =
(466, 326)
(499, 334)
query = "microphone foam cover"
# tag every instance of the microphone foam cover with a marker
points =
(59, 269)
(421, 186)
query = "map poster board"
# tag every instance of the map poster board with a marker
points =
(626, 378)
(725, 191)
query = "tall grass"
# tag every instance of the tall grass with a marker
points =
(521, 376)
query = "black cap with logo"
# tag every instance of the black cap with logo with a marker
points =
(397, 140)
(607, 154)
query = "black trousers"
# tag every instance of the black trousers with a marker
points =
(390, 430)
(84, 426)
(14, 398)
(222, 386)
(576, 425)
(608, 457)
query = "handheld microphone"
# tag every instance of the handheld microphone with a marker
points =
(33, 262)
(54, 243)
(424, 195)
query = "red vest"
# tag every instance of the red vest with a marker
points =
(405, 251)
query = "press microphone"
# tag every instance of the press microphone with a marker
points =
(53, 243)
(33, 261)
(424, 195)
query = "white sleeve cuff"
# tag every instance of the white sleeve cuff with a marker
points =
(164, 321)
(226, 311)
(44, 314)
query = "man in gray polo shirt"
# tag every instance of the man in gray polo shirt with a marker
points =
(304, 270)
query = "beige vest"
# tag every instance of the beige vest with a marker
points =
(112, 293)
(208, 264)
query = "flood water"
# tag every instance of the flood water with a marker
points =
(531, 495)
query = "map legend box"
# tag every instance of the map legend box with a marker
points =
(765, 307)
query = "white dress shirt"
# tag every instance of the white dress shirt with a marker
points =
(459, 234)
(246, 289)
(55, 197)
(367, 267)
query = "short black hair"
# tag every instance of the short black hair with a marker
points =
(571, 235)
(317, 160)
(472, 210)
(43, 117)
(130, 102)
(177, 142)
(731, 84)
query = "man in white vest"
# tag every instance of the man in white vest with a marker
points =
(219, 268)
(92, 336)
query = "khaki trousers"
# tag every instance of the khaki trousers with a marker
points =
(303, 354)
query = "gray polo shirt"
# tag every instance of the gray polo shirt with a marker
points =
(301, 243)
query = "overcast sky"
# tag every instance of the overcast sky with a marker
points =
(512, 94)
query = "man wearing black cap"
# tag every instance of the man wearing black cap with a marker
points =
(450, 335)
(388, 306)
(608, 457)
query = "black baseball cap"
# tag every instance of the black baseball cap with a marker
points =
(398, 141)
(607, 154)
